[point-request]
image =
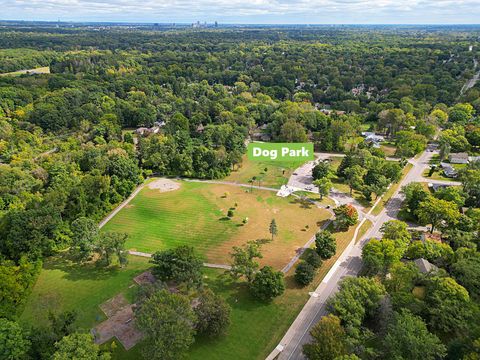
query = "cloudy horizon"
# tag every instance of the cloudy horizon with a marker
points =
(247, 11)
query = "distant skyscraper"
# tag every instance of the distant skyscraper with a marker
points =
(216, 24)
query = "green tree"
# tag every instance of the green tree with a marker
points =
(292, 131)
(167, 321)
(448, 305)
(273, 228)
(408, 338)
(14, 343)
(414, 194)
(357, 298)
(325, 244)
(243, 260)
(354, 177)
(268, 284)
(466, 270)
(84, 236)
(396, 230)
(180, 264)
(379, 255)
(304, 273)
(453, 194)
(345, 216)
(328, 340)
(321, 170)
(213, 314)
(434, 211)
(79, 346)
(111, 244)
(324, 185)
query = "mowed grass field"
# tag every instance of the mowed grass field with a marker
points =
(64, 285)
(256, 327)
(277, 174)
(196, 215)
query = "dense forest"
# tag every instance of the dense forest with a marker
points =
(69, 152)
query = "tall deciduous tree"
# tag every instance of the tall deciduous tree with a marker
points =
(14, 344)
(167, 320)
(434, 211)
(324, 185)
(243, 260)
(268, 284)
(79, 346)
(328, 340)
(325, 244)
(408, 338)
(181, 265)
(213, 314)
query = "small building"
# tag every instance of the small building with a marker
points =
(473, 159)
(142, 131)
(448, 170)
(435, 187)
(425, 266)
(458, 158)
(200, 128)
(373, 139)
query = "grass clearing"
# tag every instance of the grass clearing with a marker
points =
(40, 70)
(277, 174)
(64, 285)
(196, 214)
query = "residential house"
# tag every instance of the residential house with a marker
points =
(436, 187)
(372, 138)
(458, 158)
(448, 170)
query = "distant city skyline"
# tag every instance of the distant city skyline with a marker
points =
(247, 11)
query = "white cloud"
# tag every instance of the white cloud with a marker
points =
(246, 11)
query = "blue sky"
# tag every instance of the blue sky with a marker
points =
(248, 11)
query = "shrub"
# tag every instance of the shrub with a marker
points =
(304, 273)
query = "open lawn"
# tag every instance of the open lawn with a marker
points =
(63, 285)
(277, 174)
(257, 324)
(196, 214)
(66, 286)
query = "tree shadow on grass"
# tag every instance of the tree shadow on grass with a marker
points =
(304, 203)
(76, 271)
(235, 292)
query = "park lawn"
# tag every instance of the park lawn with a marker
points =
(195, 215)
(64, 285)
(326, 201)
(277, 174)
(259, 325)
